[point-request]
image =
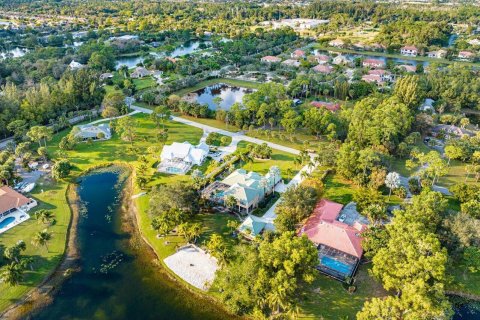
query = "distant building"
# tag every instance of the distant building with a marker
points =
(385, 76)
(338, 43)
(373, 63)
(410, 51)
(331, 106)
(474, 42)
(408, 67)
(291, 63)
(74, 65)
(297, 54)
(322, 68)
(427, 106)
(94, 132)
(439, 54)
(270, 59)
(450, 131)
(105, 76)
(341, 60)
(321, 58)
(140, 72)
(466, 55)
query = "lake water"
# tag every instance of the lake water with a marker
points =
(118, 278)
(187, 48)
(466, 310)
(229, 95)
(130, 62)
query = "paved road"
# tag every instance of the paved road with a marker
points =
(236, 136)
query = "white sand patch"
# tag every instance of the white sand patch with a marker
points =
(193, 265)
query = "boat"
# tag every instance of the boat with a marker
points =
(29, 187)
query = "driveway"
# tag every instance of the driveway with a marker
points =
(236, 136)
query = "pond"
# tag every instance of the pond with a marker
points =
(187, 48)
(465, 309)
(130, 62)
(119, 278)
(228, 94)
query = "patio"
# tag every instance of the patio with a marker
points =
(12, 219)
(193, 265)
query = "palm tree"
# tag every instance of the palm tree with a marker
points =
(12, 274)
(274, 172)
(44, 216)
(289, 173)
(42, 238)
(230, 201)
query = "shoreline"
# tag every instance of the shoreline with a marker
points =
(42, 295)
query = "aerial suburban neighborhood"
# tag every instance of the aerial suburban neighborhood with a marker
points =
(240, 160)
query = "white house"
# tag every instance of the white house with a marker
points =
(94, 132)
(341, 60)
(74, 65)
(437, 54)
(178, 158)
(270, 59)
(140, 72)
(411, 51)
(427, 106)
(336, 43)
(466, 55)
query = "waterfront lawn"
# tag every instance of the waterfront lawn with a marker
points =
(53, 198)
(206, 83)
(144, 83)
(86, 155)
(283, 160)
(463, 280)
(330, 300)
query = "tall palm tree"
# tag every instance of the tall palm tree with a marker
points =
(12, 274)
(274, 172)
(42, 238)
(44, 216)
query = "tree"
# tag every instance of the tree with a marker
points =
(269, 279)
(12, 274)
(432, 166)
(290, 121)
(61, 169)
(232, 224)
(181, 196)
(13, 252)
(126, 128)
(296, 204)
(43, 152)
(230, 201)
(44, 216)
(160, 115)
(39, 134)
(453, 152)
(190, 231)
(164, 222)
(217, 247)
(41, 238)
(392, 182)
(410, 91)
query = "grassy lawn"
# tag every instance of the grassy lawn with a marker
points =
(232, 82)
(283, 160)
(337, 189)
(300, 139)
(330, 300)
(86, 155)
(213, 123)
(144, 83)
(53, 199)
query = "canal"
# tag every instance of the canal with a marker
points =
(119, 278)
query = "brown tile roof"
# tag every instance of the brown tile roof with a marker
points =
(10, 199)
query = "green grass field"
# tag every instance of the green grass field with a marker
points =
(53, 198)
(330, 300)
(283, 160)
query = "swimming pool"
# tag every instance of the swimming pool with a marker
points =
(336, 265)
(5, 222)
(173, 170)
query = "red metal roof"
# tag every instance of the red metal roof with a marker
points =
(323, 228)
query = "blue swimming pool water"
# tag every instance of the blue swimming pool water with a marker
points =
(174, 170)
(336, 265)
(6, 222)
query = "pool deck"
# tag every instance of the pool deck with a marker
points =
(193, 265)
(20, 216)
